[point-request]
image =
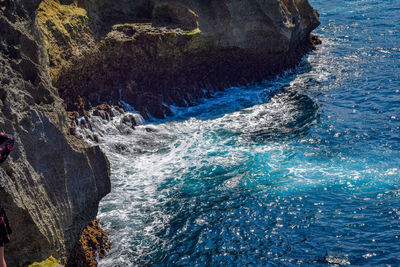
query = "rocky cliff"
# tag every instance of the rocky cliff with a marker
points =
(71, 55)
(52, 183)
(182, 50)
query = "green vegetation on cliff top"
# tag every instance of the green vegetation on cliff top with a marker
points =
(65, 30)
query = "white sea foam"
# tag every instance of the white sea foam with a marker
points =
(246, 139)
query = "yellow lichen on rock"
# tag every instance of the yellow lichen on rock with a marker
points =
(66, 33)
(67, 19)
(50, 262)
(93, 244)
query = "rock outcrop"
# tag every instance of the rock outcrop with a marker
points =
(268, 25)
(72, 55)
(172, 52)
(52, 183)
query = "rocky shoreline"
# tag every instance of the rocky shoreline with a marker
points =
(126, 66)
(164, 61)
(61, 58)
(178, 67)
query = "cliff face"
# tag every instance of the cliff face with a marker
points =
(265, 25)
(268, 25)
(182, 50)
(75, 54)
(51, 184)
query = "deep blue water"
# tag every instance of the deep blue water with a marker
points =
(301, 170)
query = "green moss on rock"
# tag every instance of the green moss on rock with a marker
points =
(66, 32)
(50, 262)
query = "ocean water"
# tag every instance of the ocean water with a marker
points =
(300, 170)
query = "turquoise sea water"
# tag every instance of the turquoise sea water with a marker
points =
(301, 170)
